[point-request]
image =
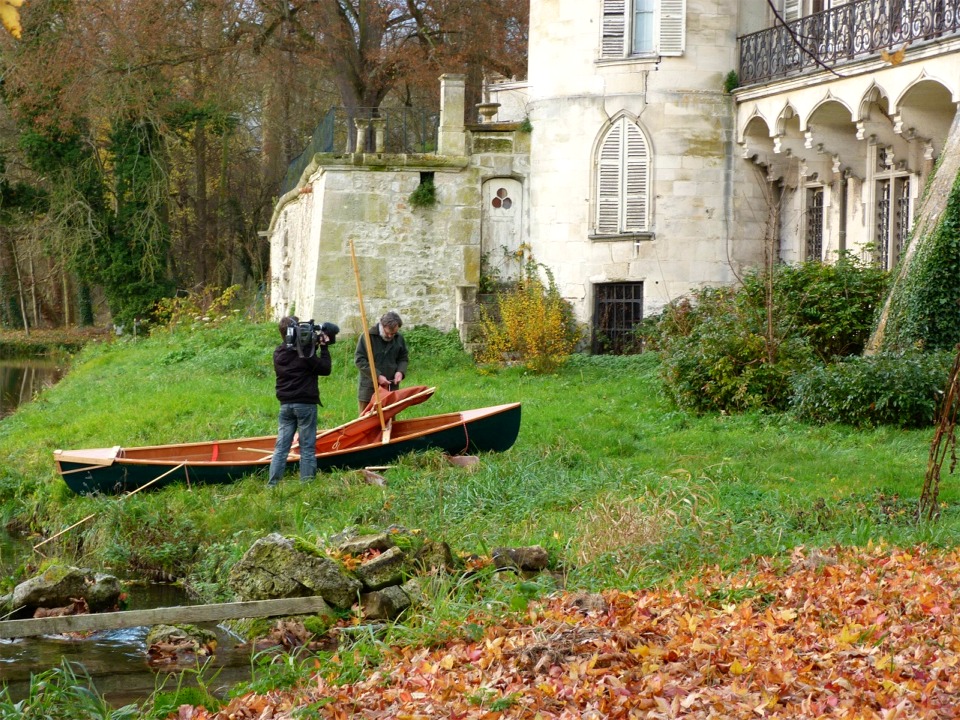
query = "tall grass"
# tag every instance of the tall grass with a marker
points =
(622, 488)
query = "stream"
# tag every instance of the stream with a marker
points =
(115, 660)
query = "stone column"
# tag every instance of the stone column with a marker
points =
(362, 125)
(379, 133)
(452, 139)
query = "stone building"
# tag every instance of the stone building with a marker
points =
(655, 147)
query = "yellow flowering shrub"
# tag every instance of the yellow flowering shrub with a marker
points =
(531, 324)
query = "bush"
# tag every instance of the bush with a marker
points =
(714, 358)
(833, 306)
(719, 354)
(886, 389)
(443, 349)
(532, 325)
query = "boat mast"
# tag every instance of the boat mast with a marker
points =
(369, 343)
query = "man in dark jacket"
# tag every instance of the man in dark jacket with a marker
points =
(389, 358)
(297, 391)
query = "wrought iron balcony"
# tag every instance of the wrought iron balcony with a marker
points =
(851, 31)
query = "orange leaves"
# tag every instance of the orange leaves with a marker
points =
(867, 634)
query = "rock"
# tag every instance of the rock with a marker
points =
(103, 593)
(383, 570)
(385, 604)
(533, 557)
(274, 568)
(178, 633)
(414, 590)
(465, 461)
(434, 556)
(363, 543)
(56, 587)
(179, 644)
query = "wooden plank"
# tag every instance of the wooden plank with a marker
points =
(161, 616)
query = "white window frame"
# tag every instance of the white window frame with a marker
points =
(622, 167)
(617, 26)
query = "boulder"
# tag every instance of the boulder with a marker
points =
(103, 593)
(57, 586)
(197, 636)
(363, 543)
(434, 555)
(274, 567)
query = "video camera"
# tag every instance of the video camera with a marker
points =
(306, 336)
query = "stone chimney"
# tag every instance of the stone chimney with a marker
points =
(452, 139)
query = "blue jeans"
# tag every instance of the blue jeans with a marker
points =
(301, 418)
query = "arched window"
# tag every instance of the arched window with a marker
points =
(623, 180)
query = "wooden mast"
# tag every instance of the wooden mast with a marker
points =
(369, 343)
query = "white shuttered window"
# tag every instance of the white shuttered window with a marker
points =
(642, 27)
(623, 180)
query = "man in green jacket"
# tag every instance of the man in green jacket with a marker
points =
(389, 358)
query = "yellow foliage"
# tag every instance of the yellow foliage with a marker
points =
(10, 16)
(534, 326)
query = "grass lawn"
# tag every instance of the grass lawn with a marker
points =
(623, 489)
(726, 524)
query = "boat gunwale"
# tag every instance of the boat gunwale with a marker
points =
(449, 420)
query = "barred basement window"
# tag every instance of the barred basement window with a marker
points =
(617, 312)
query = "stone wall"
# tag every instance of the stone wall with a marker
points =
(422, 262)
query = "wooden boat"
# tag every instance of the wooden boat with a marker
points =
(359, 443)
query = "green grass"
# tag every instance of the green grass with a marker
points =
(622, 488)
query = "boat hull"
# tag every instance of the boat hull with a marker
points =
(356, 445)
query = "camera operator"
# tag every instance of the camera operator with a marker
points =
(389, 358)
(299, 396)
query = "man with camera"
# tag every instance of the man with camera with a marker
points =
(389, 358)
(298, 361)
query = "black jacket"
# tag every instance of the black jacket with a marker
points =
(389, 356)
(297, 376)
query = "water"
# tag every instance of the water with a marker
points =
(22, 378)
(116, 660)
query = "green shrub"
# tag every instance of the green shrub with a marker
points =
(831, 305)
(425, 195)
(443, 348)
(722, 366)
(886, 389)
(721, 353)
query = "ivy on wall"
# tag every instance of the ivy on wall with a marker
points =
(925, 306)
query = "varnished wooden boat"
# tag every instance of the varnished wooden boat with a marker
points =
(359, 443)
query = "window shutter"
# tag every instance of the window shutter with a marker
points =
(613, 29)
(636, 176)
(623, 180)
(672, 26)
(608, 181)
(791, 10)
